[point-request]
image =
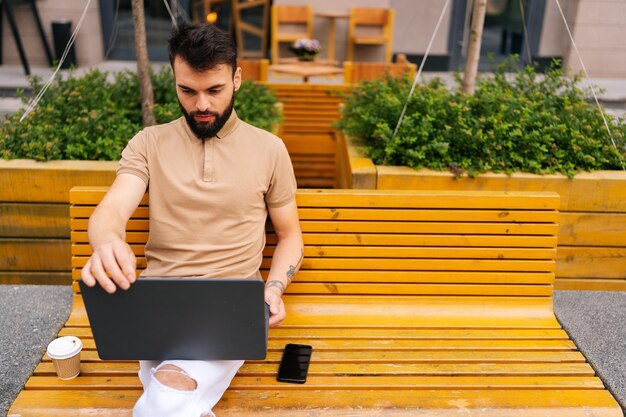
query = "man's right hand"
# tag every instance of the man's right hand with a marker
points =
(112, 265)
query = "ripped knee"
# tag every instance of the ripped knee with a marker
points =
(174, 377)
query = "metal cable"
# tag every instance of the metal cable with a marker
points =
(421, 67)
(593, 90)
(33, 103)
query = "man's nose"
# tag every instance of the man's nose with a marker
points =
(203, 103)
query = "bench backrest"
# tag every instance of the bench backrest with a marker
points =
(396, 242)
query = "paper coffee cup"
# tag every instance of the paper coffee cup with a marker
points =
(65, 355)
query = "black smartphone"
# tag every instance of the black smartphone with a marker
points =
(294, 365)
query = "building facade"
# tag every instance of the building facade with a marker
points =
(595, 24)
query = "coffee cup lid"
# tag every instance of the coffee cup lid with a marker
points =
(64, 347)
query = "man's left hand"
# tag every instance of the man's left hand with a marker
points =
(277, 307)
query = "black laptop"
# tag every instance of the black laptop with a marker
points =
(180, 318)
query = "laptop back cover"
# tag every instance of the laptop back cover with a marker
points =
(180, 318)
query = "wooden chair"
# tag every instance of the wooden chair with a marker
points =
(301, 16)
(254, 69)
(353, 72)
(416, 303)
(247, 27)
(371, 17)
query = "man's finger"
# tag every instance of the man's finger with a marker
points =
(98, 272)
(113, 269)
(273, 300)
(133, 265)
(86, 276)
(277, 317)
(123, 255)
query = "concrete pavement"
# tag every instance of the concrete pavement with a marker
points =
(30, 317)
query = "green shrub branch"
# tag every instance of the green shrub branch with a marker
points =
(92, 117)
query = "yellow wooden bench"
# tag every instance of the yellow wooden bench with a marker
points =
(417, 303)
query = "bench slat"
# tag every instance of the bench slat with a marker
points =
(92, 366)
(399, 264)
(322, 355)
(405, 346)
(500, 216)
(459, 277)
(323, 382)
(339, 403)
(389, 227)
(381, 239)
(390, 252)
(392, 199)
(419, 289)
(396, 334)
(450, 369)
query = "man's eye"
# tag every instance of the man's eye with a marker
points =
(186, 91)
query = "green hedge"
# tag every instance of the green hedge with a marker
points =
(517, 120)
(92, 117)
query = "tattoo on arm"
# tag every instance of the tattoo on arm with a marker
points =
(292, 268)
(277, 284)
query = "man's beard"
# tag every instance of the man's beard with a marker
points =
(206, 130)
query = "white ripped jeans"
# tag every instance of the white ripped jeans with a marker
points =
(158, 400)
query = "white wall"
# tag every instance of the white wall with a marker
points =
(599, 29)
(415, 23)
(554, 39)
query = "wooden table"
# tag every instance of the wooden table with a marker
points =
(306, 69)
(331, 30)
(317, 61)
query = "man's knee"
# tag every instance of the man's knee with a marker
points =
(174, 377)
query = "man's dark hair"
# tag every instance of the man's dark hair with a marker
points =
(202, 46)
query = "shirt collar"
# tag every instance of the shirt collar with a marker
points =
(230, 125)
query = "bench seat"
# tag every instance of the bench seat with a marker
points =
(416, 304)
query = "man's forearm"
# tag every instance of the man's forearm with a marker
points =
(286, 262)
(105, 225)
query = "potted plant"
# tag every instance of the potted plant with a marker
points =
(306, 49)
(519, 131)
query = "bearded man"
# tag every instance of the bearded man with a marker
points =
(212, 181)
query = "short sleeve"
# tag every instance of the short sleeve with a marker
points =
(282, 188)
(135, 158)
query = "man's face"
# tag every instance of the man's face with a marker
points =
(206, 97)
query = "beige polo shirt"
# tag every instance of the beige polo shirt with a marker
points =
(209, 199)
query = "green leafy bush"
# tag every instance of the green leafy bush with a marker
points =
(258, 105)
(92, 117)
(517, 120)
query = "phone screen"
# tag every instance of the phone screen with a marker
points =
(294, 365)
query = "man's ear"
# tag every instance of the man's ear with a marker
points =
(237, 78)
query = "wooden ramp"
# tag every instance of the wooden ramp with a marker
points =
(417, 303)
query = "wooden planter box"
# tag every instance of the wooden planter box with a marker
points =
(34, 216)
(592, 239)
